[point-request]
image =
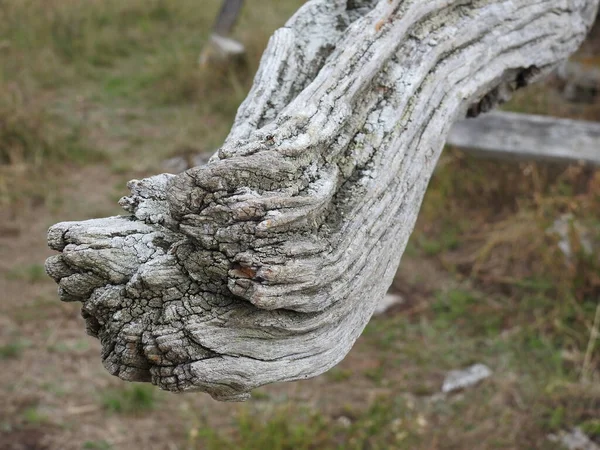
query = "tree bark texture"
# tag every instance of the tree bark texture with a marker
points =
(265, 264)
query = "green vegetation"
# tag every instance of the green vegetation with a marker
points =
(338, 374)
(33, 416)
(96, 445)
(79, 346)
(375, 374)
(132, 399)
(31, 273)
(13, 349)
(591, 427)
(388, 423)
(37, 308)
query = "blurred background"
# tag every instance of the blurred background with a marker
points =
(502, 269)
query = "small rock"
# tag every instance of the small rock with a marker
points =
(421, 421)
(396, 425)
(460, 379)
(220, 49)
(575, 440)
(387, 302)
(344, 422)
(435, 398)
(562, 228)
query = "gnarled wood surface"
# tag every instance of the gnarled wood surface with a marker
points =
(265, 264)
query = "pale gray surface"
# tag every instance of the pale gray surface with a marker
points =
(228, 15)
(576, 439)
(461, 379)
(266, 264)
(502, 135)
(386, 302)
(527, 136)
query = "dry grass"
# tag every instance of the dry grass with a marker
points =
(67, 66)
(100, 91)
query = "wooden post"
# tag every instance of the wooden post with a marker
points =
(221, 47)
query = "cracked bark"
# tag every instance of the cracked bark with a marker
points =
(265, 264)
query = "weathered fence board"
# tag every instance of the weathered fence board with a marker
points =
(525, 136)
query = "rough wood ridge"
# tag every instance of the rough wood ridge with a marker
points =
(266, 264)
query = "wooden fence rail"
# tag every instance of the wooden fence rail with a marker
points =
(525, 136)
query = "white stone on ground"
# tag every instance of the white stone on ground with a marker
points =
(574, 440)
(387, 302)
(460, 379)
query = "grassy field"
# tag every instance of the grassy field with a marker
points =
(95, 93)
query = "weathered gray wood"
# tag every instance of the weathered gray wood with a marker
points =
(525, 136)
(511, 135)
(266, 264)
(228, 15)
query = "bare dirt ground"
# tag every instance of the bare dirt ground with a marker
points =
(482, 279)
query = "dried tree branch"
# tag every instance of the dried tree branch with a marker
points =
(265, 264)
